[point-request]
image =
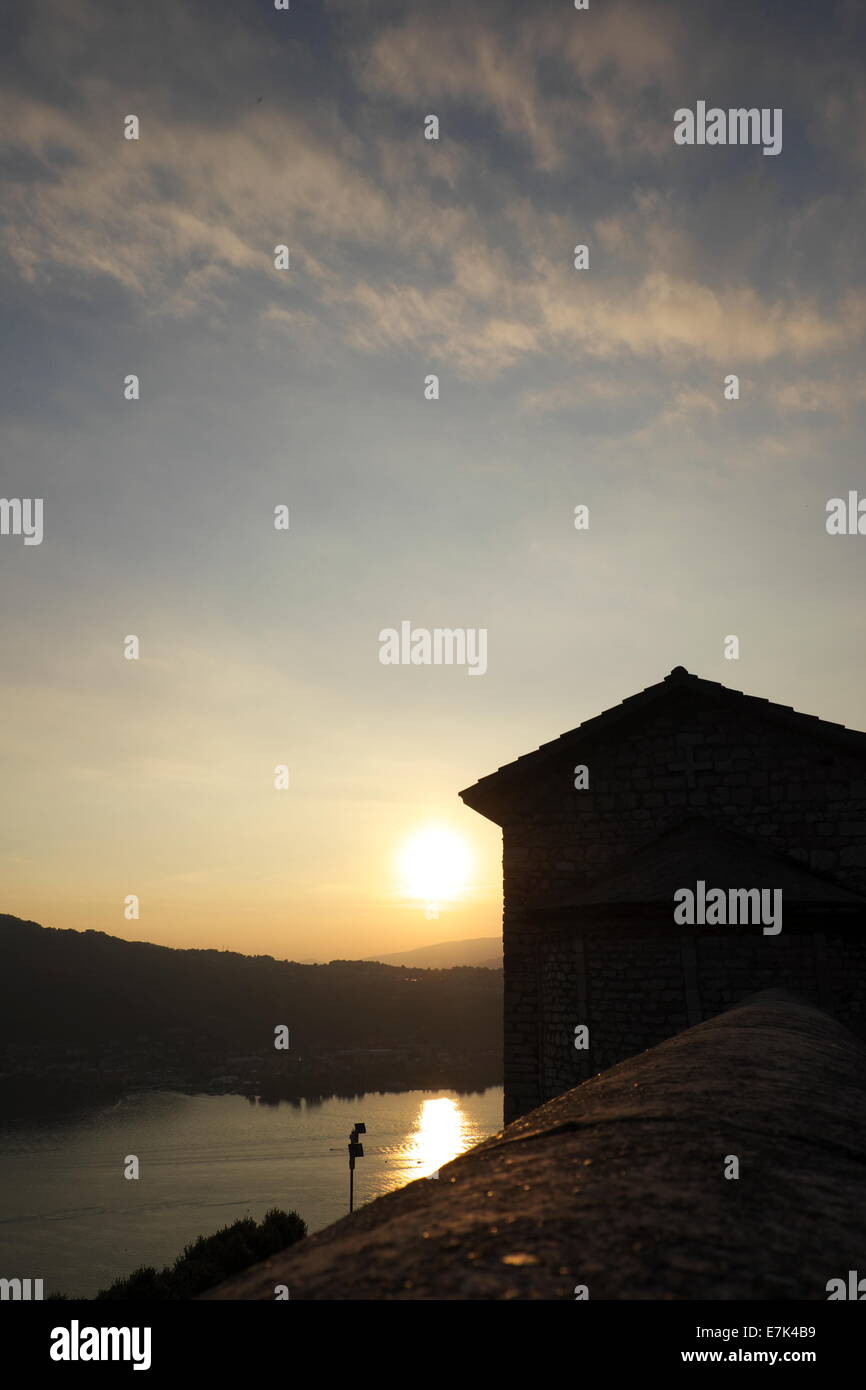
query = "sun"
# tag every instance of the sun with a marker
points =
(435, 866)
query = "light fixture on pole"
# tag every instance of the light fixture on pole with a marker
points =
(356, 1150)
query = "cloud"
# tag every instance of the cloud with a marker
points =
(398, 243)
(445, 56)
(806, 394)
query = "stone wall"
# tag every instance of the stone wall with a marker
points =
(797, 794)
(634, 988)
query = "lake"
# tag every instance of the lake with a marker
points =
(68, 1215)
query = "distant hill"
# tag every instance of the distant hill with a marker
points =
(90, 988)
(484, 951)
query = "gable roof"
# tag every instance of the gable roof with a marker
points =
(488, 793)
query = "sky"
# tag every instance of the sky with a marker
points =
(305, 387)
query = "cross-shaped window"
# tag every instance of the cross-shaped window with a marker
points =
(689, 766)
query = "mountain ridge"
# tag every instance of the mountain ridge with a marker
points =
(59, 983)
(481, 951)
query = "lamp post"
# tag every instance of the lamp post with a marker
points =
(356, 1150)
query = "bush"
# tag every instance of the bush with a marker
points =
(210, 1259)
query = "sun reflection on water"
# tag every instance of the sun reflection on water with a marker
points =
(438, 1136)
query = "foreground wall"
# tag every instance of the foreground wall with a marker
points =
(618, 1189)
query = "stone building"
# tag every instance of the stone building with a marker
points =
(687, 783)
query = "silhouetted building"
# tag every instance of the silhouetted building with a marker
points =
(685, 784)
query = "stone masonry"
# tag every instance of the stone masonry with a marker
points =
(688, 780)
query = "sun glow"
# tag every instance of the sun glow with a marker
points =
(435, 866)
(438, 1136)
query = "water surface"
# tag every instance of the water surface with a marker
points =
(68, 1215)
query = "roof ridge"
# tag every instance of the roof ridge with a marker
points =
(677, 677)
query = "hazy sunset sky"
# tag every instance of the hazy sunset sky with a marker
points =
(306, 387)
